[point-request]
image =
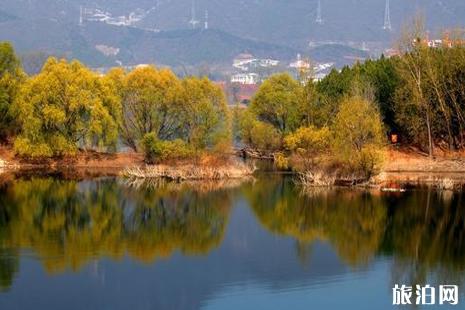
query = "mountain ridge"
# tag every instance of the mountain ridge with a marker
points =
(281, 27)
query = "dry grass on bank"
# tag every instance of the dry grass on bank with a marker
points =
(327, 179)
(402, 167)
(326, 170)
(189, 171)
(412, 160)
(311, 179)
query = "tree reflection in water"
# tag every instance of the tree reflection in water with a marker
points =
(423, 230)
(352, 221)
(426, 236)
(67, 224)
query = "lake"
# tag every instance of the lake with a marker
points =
(260, 244)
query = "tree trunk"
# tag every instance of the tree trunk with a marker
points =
(430, 136)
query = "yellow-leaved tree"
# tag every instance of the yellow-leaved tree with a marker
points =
(150, 101)
(170, 118)
(66, 107)
(359, 135)
(11, 76)
(206, 118)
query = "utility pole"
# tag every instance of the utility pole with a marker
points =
(387, 17)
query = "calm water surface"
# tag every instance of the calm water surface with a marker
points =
(104, 244)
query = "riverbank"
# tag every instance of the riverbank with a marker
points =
(411, 160)
(83, 160)
(406, 168)
(402, 166)
(130, 165)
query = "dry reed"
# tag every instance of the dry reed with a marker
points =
(233, 170)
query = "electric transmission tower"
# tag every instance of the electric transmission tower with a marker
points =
(193, 20)
(81, 16)
(319, 19)
(387, 17)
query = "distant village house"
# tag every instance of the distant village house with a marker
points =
(245, 78)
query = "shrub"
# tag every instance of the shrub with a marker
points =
(308, 140)
(369, 160)
(281, 162)
(23, 147)
(156, 150)
(257, 134)
(265, 137)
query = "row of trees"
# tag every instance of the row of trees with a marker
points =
(301, 121)
(155, 101)
(430, 100)
(420, 95)
(67, 107)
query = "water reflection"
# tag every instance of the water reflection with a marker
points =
(423, 230)
(426, 236)
(68, 224)
(353, 222)
(9, 265)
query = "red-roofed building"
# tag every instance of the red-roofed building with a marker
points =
(238, 93)
(246, 92)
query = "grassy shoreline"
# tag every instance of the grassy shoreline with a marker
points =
(402, 168)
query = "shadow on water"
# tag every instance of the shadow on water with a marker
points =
(67, 224)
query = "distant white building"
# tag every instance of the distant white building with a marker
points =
(98, 15)
(245, 78)
(107, 50)
(300, 63)
(141, 66)
(268, 62)
(242, 61)
(246, 62)
(323, 66)
(319, 76)
(435, 43)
